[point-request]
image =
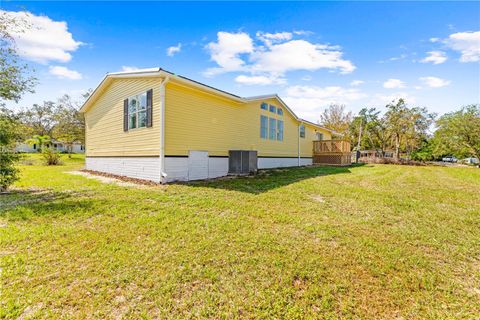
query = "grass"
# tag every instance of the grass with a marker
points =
(374, 241)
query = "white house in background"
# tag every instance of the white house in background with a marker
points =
(77, 147)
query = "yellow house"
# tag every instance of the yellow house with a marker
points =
(152, 124)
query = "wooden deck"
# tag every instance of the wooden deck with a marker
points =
(332, 152)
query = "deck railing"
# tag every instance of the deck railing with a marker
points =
(332, 152)
(330, 146)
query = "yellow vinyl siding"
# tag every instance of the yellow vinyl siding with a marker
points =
(306, 145)
(104, 121)
(196, 120)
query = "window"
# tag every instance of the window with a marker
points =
(263, 127)
(302, 131)
(273, 129)
(137, 111)
(319, 136)
(280, 130)
(34, 146)
(264, 106)
(280, 111)
(273, 109)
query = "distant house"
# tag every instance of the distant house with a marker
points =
(77, 147)
(152, 124)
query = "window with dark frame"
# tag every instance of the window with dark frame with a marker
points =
(302, 131)
(137, 111)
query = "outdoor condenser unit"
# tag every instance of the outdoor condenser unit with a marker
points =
(242, 161)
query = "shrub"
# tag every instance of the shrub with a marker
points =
(8, 157)
(391, 161)
(51, 157)
(8, 171)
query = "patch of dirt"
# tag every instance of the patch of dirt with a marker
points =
(318, 198)
(30, 311)
(114, 179)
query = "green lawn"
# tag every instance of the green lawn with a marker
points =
(382, 241)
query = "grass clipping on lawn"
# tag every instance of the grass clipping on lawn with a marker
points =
(372, 241)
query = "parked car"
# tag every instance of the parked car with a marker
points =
(449, 159)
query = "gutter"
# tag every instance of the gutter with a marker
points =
(163, 175)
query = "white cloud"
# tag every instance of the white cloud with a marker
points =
(171, 51)
(356, 83)
(272, 54)
(434, 40)
(46, 40)
(435, 57)
(300, 55)
(384, 99)
(467, 43)
(226, 51)
(259, 80)
(309, 101)
(269, 38)
(393, 84)
(434, 82)
(130, 68)
(64, 73)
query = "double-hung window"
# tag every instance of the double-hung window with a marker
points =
(302, 131)
(273, 129)
(263, 127)
(137, 111)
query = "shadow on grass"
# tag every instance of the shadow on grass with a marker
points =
(24, 204)
(269, 179)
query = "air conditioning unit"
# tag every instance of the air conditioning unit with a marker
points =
(242, 161)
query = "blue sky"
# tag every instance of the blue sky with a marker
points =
(311, 53)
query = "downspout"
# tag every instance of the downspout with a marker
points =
(163, 175)
(298, 142)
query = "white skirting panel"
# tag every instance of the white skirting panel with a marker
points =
(146, 168)
(306, 161)
(267, 163)
(177, 168)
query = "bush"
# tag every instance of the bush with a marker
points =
(8, 171)
(51, 157)
(391, 161)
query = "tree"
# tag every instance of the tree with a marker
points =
(15, 78)
(8, 156)
(70, 123)
(336, 118)
(40, 119)
(39, 140)
(14, 82)
(374, 134)
(407, 126)
(459, 132)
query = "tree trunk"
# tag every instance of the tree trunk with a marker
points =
(397, 147)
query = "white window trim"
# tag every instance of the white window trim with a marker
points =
(137, 111)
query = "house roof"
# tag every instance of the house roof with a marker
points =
(159, 72)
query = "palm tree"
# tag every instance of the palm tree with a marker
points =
(39, 140)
